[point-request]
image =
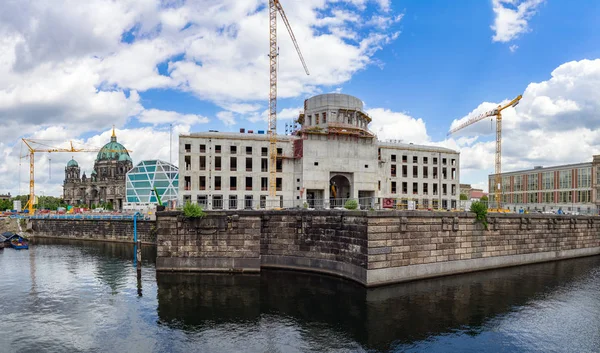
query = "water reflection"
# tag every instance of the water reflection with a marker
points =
(403, 317)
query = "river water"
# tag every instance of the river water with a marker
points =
(75, 296)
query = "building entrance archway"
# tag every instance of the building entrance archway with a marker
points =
(339, 190)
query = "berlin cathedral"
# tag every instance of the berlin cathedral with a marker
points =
(106, 183)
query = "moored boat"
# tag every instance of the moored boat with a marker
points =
(18, 243)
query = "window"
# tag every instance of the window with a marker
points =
(584, 177)
(379, 154)
(264, 165)
(188, 148)
(264, 184)
(278, 184)
(249, 183)
(202, 162)
(425, 160)
(280, 151)
(217, 183)
(548, 180)
(202, 183)
(202, 148)
(435, 189)
(415, 159)
(393, 187)
(188, 163)
(453, 161)
(532, 197)
(324, 117)
(425, 188)
(263, 201)
(443, 161)
(532, 182)
(217, 163)
(248, 201)
(248, 149)
(405, 171)
(233, 204)
(187, 183)
(415, 173)
(444, 204)
(444, 173)
(404, 187)
(309, 121)
(415, 188)
(379, 185)
(565, 197)
(202, 201)
(425, 203)
(435, 160)
(584, 196)
(547, 197)
(249, 164)
(435, 172)
(444, 189)
(233, 164)
(217, 203)
(404, 159)
(518, 183)
(217, 148)
(263, 151)
(316, 163)
(425, 172)
(232, 183)
(453, 174)
(393, 170)
(233, 150)
(453, 189)
(393, 158)
(279, 165)
(565, 179)
(317, 118)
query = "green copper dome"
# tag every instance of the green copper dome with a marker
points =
(72, 163)
(113, 151)
(124, 157)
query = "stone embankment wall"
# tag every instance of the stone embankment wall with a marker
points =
(103, 230)
(373, 248)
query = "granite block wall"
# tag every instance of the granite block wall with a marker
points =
(103, 230)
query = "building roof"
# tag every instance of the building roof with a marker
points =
(113, 151)
(413, 147)
(545, 169)
(72, 163)
(237, 136)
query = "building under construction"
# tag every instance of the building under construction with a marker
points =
(329, 158)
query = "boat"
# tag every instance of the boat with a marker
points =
(18, 243)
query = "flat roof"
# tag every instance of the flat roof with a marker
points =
(413, 147)
(237, 136)
(546, 169)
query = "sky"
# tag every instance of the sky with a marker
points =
(70, 70)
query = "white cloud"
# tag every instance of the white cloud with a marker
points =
(513, 48)
(511, 18)
(159, 117)
(226, 117)
(397, 126)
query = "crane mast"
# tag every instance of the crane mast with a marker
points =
(274, 8)
(498, 158)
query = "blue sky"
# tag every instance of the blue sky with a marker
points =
(72, 70)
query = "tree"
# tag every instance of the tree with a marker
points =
(5, 205)
(484, 198)
(464, 197)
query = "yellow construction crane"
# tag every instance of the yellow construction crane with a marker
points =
(498, 169)
(49, 149)
(274, 7)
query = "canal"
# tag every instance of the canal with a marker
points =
(75, 296)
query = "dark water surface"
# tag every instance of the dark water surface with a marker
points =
(69, 296)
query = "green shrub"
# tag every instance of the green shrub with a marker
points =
(351, 205)
(193, 211)
(480, 210)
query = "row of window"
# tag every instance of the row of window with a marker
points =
(584, 196)
(264, 151)
(425, 189)
(232, 203)
(425, 172)
(415, 159)
(235, 183)
(565, 180)
(425, 203)
(233, 164)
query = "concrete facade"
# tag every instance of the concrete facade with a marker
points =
(571, 188)
(332, 157)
